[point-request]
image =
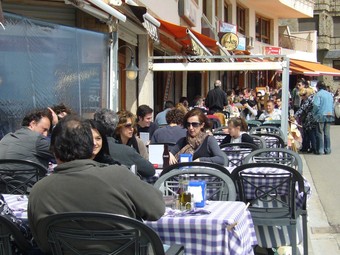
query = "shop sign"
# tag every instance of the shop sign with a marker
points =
(225, 27)
(230, 41)
(241, 43)
(152, 30)
(271, 50)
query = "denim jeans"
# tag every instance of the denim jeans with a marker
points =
(312, 138)
(323, 138)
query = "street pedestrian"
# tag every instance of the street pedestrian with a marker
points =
(324, 114)
(216, 99)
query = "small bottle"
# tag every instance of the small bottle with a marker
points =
(185, 195)
(177, 202)
(166, 156)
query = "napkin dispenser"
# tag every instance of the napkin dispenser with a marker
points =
(185, 158)
(198, 189)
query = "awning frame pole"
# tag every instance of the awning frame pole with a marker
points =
(285, 97)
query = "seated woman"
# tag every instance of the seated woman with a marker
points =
(232, 108)
(249, 109)
(100, 145)
(237, 128)
(197, 142)
(125, 133)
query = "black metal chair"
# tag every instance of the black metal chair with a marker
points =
(277, 197)
(274, 123)
(272, 140)
(219, 134)
(259, 141)
(281, 156)
(266, 129)
(10, 234)
(97, 233)
(220, 186)
(236, 152)
(18, 176)
(253, 123)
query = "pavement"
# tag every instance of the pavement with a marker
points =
(323, 174)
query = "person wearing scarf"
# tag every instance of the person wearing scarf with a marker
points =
(197, 142)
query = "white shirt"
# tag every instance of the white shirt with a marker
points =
(275, 115)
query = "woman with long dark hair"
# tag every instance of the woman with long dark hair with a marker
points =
(101, 151)
(198, 142)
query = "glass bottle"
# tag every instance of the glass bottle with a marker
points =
(166, 156)
(185, 195)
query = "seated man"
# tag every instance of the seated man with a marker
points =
(80, 184)
(120, 152)
(173, 131)
(271, 113)
(144, 122)
(29, 142)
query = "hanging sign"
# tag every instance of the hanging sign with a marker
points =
(230, 41)
(225, 27)
(271, 50)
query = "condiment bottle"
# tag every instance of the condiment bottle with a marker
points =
(166, 156)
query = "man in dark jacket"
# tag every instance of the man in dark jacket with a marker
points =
(80, 184)
(29, 142)
(216, 99)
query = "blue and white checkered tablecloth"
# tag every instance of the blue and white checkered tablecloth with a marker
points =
(209, 234)
(236, 155)
(18, 204)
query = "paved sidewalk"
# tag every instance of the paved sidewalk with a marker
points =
(323, 239)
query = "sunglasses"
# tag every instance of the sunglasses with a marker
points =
(193, 124)
(128, 125)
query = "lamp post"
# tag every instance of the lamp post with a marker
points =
(131, 69)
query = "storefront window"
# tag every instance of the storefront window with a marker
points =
(44, 64)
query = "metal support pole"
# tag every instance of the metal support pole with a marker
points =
(113, 79)
(285, 97)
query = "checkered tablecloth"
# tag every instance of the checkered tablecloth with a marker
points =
(209, 234)
(18, 204)
(236, 155)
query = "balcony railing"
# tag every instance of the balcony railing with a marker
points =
(295, 43)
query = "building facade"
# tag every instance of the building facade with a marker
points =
(326, 21)
(130, 30)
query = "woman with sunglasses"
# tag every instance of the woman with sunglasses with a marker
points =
(125, 133)
(197, 142)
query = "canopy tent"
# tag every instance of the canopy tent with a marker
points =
(184, 37)
(312, 68)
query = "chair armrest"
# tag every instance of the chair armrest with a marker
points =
(175, 249)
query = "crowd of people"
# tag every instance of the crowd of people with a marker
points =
(90, 149)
